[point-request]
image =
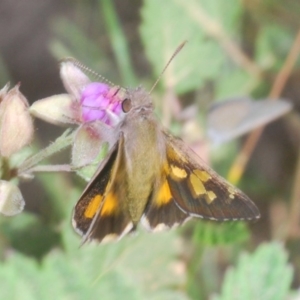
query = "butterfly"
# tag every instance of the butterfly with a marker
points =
(152, 178)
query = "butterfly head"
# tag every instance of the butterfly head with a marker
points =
(137, 101)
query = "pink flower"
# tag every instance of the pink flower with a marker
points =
(85, 102)
(94, 106)
(97, 101)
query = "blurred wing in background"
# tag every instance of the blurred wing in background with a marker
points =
(232, 118)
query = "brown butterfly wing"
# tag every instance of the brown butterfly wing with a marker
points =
(99, 213)
(201, 192)
(162, 212)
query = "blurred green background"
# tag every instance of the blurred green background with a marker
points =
(235, 47)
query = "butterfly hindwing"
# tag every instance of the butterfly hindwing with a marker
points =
(99, 213)
(201, 192)
(161, 211)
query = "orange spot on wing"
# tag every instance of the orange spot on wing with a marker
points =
(110, 204)
(164, 194)
(93, 207)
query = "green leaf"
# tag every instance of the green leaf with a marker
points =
(144, 266)
(166, 24)
(265, 274)
(140, 258)
(212, 233)
(233, 83)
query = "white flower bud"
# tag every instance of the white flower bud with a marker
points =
(16, 126)
(11, 199)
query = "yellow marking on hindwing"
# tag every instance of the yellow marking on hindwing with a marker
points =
(178, 172)
(164, 195)
(93, 207)
(211, 196)
(197, 185)
(110, 204)
(203, 175)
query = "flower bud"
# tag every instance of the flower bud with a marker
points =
(16, 126)
(11, 199)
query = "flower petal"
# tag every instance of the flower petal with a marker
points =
(73, 78)
(4, 91)
(87, 145)
(100, 102)
(89, 140)
(58, 109)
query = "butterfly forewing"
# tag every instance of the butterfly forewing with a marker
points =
(100, 212)
(201, 192)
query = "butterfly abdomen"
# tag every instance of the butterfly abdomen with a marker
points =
(142, 166)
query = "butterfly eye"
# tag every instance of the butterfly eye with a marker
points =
(126, 105)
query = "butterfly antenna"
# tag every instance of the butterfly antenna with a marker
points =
(178, 49)
(87, 70)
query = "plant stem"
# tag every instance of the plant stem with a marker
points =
(59, 144)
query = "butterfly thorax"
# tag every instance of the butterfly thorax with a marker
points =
(142, 158)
